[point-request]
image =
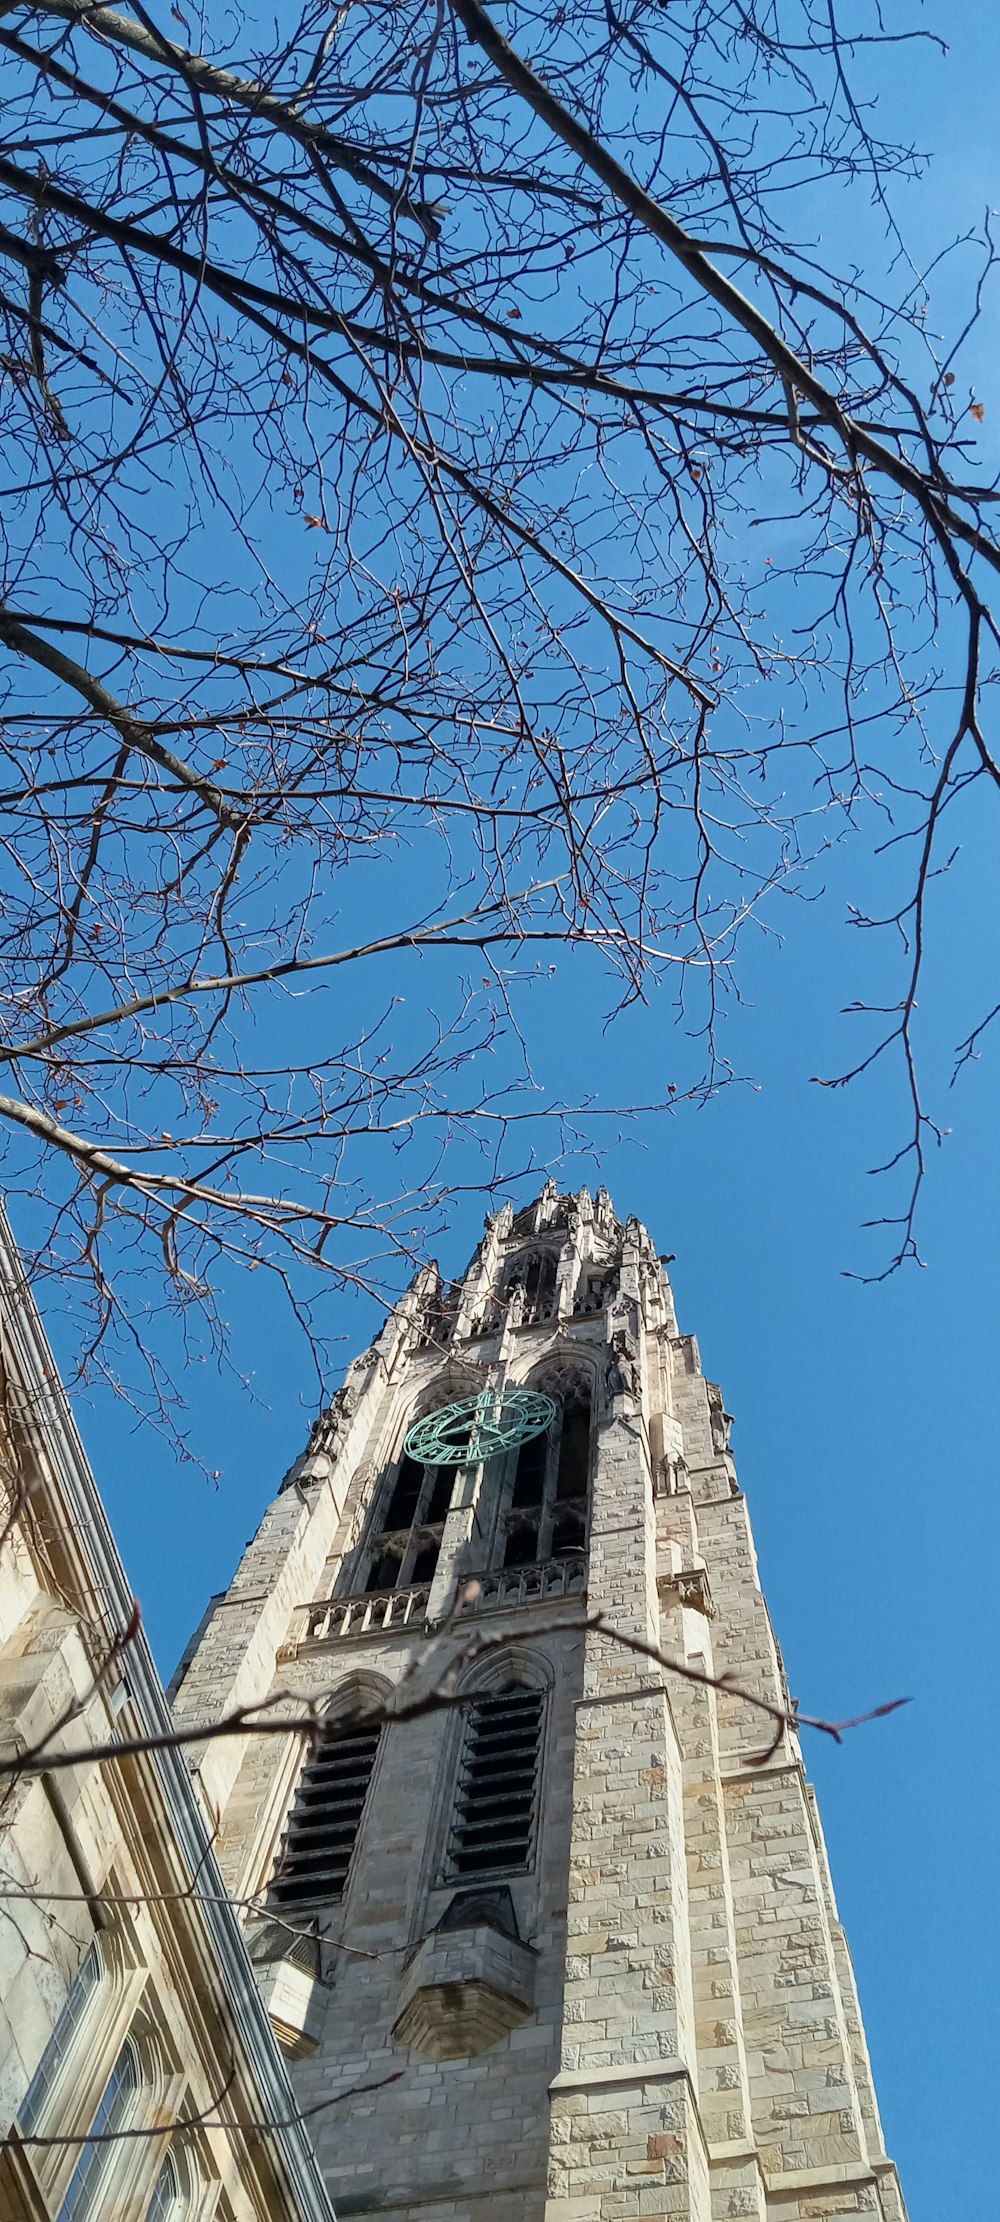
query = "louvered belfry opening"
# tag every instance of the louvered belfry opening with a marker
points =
(494, 1824)
(325, 1818)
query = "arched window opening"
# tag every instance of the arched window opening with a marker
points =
(533, 1271)
(405, 1547)
(86, 1981)
(383, 1573)
(323, 1825)
(165, 2203)
(496, 1802)
(546, 1510)
(85, 2193)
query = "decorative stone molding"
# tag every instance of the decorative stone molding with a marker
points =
(691, 1585)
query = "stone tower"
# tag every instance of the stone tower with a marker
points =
(559, 1935)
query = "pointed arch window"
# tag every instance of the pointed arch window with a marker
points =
(85, 2194)
(165, 2204)
(534, 1271)
(405, 1547)
(496, 1801)
(545, 1514)
(323, 1824)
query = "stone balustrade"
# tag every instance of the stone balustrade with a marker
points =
(525, 1585)
(378, 1614)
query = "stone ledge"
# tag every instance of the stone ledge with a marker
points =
(630, 1692)
(640, 2071)
(735, 2154)
(833, 2177)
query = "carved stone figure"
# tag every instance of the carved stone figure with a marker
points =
(720, 1420)
(329, 1430)
(621, 1370)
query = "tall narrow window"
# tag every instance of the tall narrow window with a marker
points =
(85, 1983)
(325, 1818)
(404, 1550)
(495, 1807)
(166, 2200)
(86, 2192)
(546, 1509)
(535, 1272)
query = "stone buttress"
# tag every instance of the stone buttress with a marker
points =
(556, 1942)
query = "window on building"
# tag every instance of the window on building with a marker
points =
(545, 1514)
(535, 1272)
(165, 2204)
(325, 1818)
(85, 2196)
(404, 1550)
(86, 1982)
(496, 1801)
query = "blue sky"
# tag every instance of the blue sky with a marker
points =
(865, 1442)
(865, 1430)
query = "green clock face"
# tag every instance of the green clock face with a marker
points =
(478, 1427)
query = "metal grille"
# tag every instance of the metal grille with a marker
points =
(325, 1819)
(494, 1823)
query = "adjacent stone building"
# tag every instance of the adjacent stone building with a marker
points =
(542, 1896)
(140, 2080)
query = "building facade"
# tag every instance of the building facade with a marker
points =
(140, 2078)
(538, 1903)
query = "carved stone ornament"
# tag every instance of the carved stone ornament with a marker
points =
(621, 1368)
(669, 1476)
(720, 1420)
(691, 1587)
(332, 1425)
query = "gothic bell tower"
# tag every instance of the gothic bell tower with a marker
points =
(533, 1904)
